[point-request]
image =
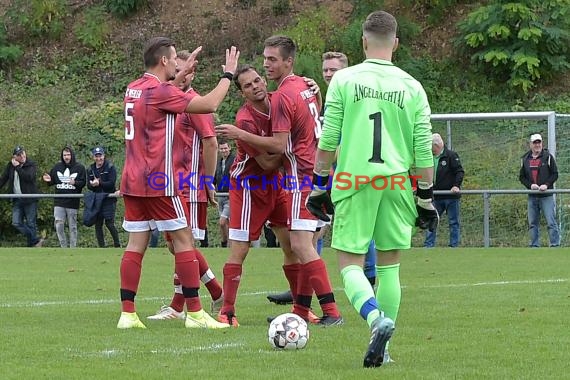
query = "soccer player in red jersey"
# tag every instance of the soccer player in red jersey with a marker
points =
(295, 129)
(148, 185)
(256, 195)
(195, 156)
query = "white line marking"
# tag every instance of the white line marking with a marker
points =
(257, 293)
(104, 301)
(494, 283)
(110, 353)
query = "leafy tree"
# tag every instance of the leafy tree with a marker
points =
(523, 41)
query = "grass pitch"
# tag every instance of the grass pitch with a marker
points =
(465, 314)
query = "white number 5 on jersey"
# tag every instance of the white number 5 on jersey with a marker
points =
(130, 122)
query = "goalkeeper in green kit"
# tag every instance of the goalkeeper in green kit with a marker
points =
(383, 116)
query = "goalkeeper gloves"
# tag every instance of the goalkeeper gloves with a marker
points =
(319, 201)
(427, 219)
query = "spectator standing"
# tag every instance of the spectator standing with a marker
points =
(20, 175)
(448, 175)
(222, 182)
(539, 172)
(68, 177)
(102, 177)
(272, 241)
(154, 238)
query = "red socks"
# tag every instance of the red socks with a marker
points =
(232, 278)
(130, 277)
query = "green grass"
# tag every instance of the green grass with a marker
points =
(465, 314)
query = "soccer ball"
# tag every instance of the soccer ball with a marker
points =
(288, 332)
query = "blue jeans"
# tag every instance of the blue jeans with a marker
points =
(154, 236)
(24, 217)
(546, 204)
(451, 207)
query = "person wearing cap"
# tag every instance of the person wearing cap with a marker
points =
(448, 175)
(539, 172)
(20, 174)
(102, 176)
(68, 177)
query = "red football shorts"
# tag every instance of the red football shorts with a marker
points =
(251, 205)
(300, 219)
(144, 213)
(198, 219)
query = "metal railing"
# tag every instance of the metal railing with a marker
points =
(487, 194)
(487, 204)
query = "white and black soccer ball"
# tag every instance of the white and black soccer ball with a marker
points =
(288, 332)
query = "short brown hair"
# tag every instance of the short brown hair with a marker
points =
(381, 25)
(156, 48)
(240, 70)
(286, 45)
(336, 55)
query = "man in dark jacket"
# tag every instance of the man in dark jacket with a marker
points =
(102, 177)
(539, 172)
(68, 176)
(222, 182)
(448, 175)
(20, 174)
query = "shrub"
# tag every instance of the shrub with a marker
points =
(363, 8)
(523, 41)
(309, 35)
(281, 7)
(39, 18)
(435, 9)
(246, 4)
(124, 8)
(94, 29)
(103, 125)
(9, 54)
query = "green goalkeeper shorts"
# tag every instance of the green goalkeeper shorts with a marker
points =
(388, 216)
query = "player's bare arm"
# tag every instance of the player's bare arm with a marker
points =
(210, 102)
(270, 144)
(269, 161)
(210, 155)
(323, 161)
(425, 174)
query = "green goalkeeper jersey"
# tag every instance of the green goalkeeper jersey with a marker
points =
(379, 115)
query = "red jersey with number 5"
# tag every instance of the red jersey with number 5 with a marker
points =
(150, 115)
(294, 109)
